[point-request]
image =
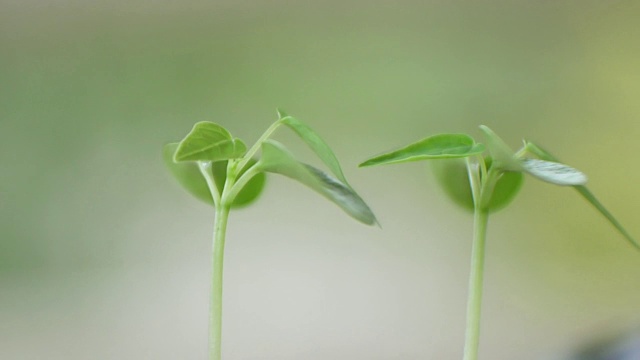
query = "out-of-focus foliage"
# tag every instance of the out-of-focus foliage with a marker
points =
(93, 244)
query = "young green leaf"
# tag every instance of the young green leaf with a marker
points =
(443, 146)
(503, 156)
(209, 141)
(249, 193)
(277, 159)
(554, 172)
(315, 142)
(586, 193)
(187, 174)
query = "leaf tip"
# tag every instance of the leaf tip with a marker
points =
(281, 113)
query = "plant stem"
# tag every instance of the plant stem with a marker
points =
(472, 338)
(215, 310)
(254, 149)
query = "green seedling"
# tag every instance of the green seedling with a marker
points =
(485, 183)
(218, 169)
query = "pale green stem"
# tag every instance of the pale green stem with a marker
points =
(474, 303)
(223, 208)
(474, 180)
(215, 309)
(482, 191)
(254, 149)
(240, 183)
(205, 170)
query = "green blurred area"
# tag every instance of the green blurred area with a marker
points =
(90, 91)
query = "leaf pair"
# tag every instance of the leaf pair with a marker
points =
(451, 167)
(453, 174)
(211, 143)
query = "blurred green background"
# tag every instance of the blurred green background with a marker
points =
(103, 256)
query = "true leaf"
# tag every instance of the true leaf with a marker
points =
(249, 193)
(441, 146)
(503, 156)
(209, 141)
(554, 172)
(315, 142)
(587, 194)
(187, 174)
(277, 159)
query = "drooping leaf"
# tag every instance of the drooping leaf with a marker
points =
(187, 174)
(277, 159)
(209, 141)
(453, 177)
(443, 146)
(249, 193)
(554, 172)
(503, 156)
(587, 194)
(315, 142)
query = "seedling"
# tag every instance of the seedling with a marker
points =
(485, 184)
(217, 168)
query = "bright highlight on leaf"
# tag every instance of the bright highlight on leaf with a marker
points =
(209, 141)
(587, 194)
(277, 159)
(443, 146)
(553, 172)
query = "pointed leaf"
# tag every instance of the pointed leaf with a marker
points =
(277, 159)
(209, 141)
(554, 172)
(187, 174)
(281, 113)
(443, 146)
(249, 193)
(503, 156)
(315, 142)
(587, 194)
